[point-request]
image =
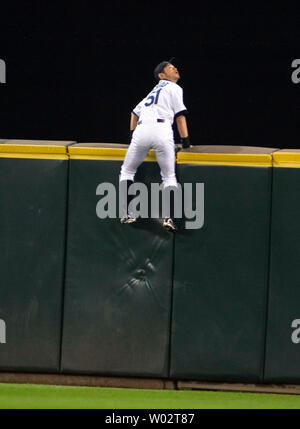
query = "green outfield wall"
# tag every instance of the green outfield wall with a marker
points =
(118, 278)
(83, 294)
(283, 333)
(33, 205)
(221, 269)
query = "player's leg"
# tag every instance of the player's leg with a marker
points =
(135, 155)
(165, 154)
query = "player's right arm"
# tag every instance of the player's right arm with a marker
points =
(133, 121)
(134, 117)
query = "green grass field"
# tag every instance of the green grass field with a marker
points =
(14, 396)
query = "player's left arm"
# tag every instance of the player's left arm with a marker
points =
(182, 126)
(180, 116)
(183, 131)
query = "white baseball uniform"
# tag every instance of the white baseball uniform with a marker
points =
(156, 113)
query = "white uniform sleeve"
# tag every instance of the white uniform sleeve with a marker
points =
(177, 100)
(138, 108)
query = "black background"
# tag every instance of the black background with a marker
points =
(76, 69)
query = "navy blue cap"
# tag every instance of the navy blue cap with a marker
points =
(159, 68)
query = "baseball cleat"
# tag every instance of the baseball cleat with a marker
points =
(169, 225)
(128, 219)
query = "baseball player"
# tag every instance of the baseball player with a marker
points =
(151, 128)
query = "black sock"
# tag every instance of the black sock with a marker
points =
(129, 197)
(170, 191)
(125, 199)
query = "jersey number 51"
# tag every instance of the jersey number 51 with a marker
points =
(153, 98)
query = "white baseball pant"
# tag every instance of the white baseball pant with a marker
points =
(151, 135)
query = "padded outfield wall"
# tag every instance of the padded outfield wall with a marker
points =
(84, 295)
(118, 279)
(221, 270)
(33, 206)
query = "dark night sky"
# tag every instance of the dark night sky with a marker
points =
(75, 70)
